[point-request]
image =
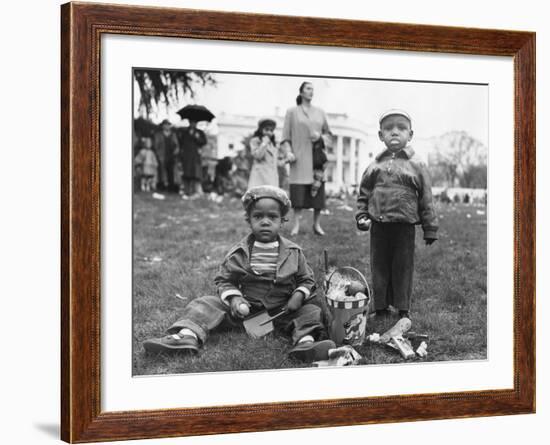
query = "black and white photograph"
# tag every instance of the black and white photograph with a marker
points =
(275, 222)
(285, 221)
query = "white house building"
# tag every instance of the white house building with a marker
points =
(353, 146)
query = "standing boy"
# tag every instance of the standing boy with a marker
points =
(395, 194)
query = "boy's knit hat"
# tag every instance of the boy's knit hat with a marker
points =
(395, 111)
(266, 191)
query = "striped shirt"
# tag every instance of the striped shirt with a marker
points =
(263, 258)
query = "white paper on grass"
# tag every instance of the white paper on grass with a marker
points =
(121, 391)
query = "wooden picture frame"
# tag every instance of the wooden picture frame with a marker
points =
(82, 26)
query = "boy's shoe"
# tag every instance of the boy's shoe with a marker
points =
(311, 351)
(171, 343)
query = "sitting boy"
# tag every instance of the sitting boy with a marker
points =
(263, 271)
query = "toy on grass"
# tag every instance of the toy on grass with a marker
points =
(261, 323)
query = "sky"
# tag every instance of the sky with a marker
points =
(436, 108)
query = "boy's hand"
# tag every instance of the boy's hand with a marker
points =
(295, 302)
(364, 224)
(235, 304)
(429, 241)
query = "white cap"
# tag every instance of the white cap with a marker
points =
(392, 112)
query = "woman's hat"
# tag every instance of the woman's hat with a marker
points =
(266, 122)
(266, 191)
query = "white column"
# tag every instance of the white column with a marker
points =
(339, 158)
(352, 145)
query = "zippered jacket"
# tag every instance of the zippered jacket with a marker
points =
(236, 276)
(396, 188)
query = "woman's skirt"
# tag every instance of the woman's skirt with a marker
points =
(300, 196)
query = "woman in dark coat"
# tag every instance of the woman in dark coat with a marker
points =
(304, 125)
(191, 140)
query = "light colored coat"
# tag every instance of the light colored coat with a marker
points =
(147, 160)
(299, 128)
(264, 166)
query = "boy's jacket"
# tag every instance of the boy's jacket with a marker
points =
(397, 188)
(236, 277)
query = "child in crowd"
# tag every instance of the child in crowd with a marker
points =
(241, 171)
(147, 165)
(224, 181)
(394, 195)
(263, 271)
(263, 148)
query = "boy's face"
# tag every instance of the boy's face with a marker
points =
(395, 132)
(265, 219)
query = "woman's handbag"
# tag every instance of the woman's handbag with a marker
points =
(319, 154)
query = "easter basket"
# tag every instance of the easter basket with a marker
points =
(348, 297)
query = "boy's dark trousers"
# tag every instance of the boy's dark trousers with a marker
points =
(392, 264)
(204, 314)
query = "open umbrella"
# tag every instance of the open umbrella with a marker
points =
(196, 113)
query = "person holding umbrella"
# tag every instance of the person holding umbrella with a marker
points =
(191, 140)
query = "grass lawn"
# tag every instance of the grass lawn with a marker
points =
(179, 244)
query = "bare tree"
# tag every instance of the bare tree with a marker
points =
(460, 160)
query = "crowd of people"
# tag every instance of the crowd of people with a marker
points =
(172, 160)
